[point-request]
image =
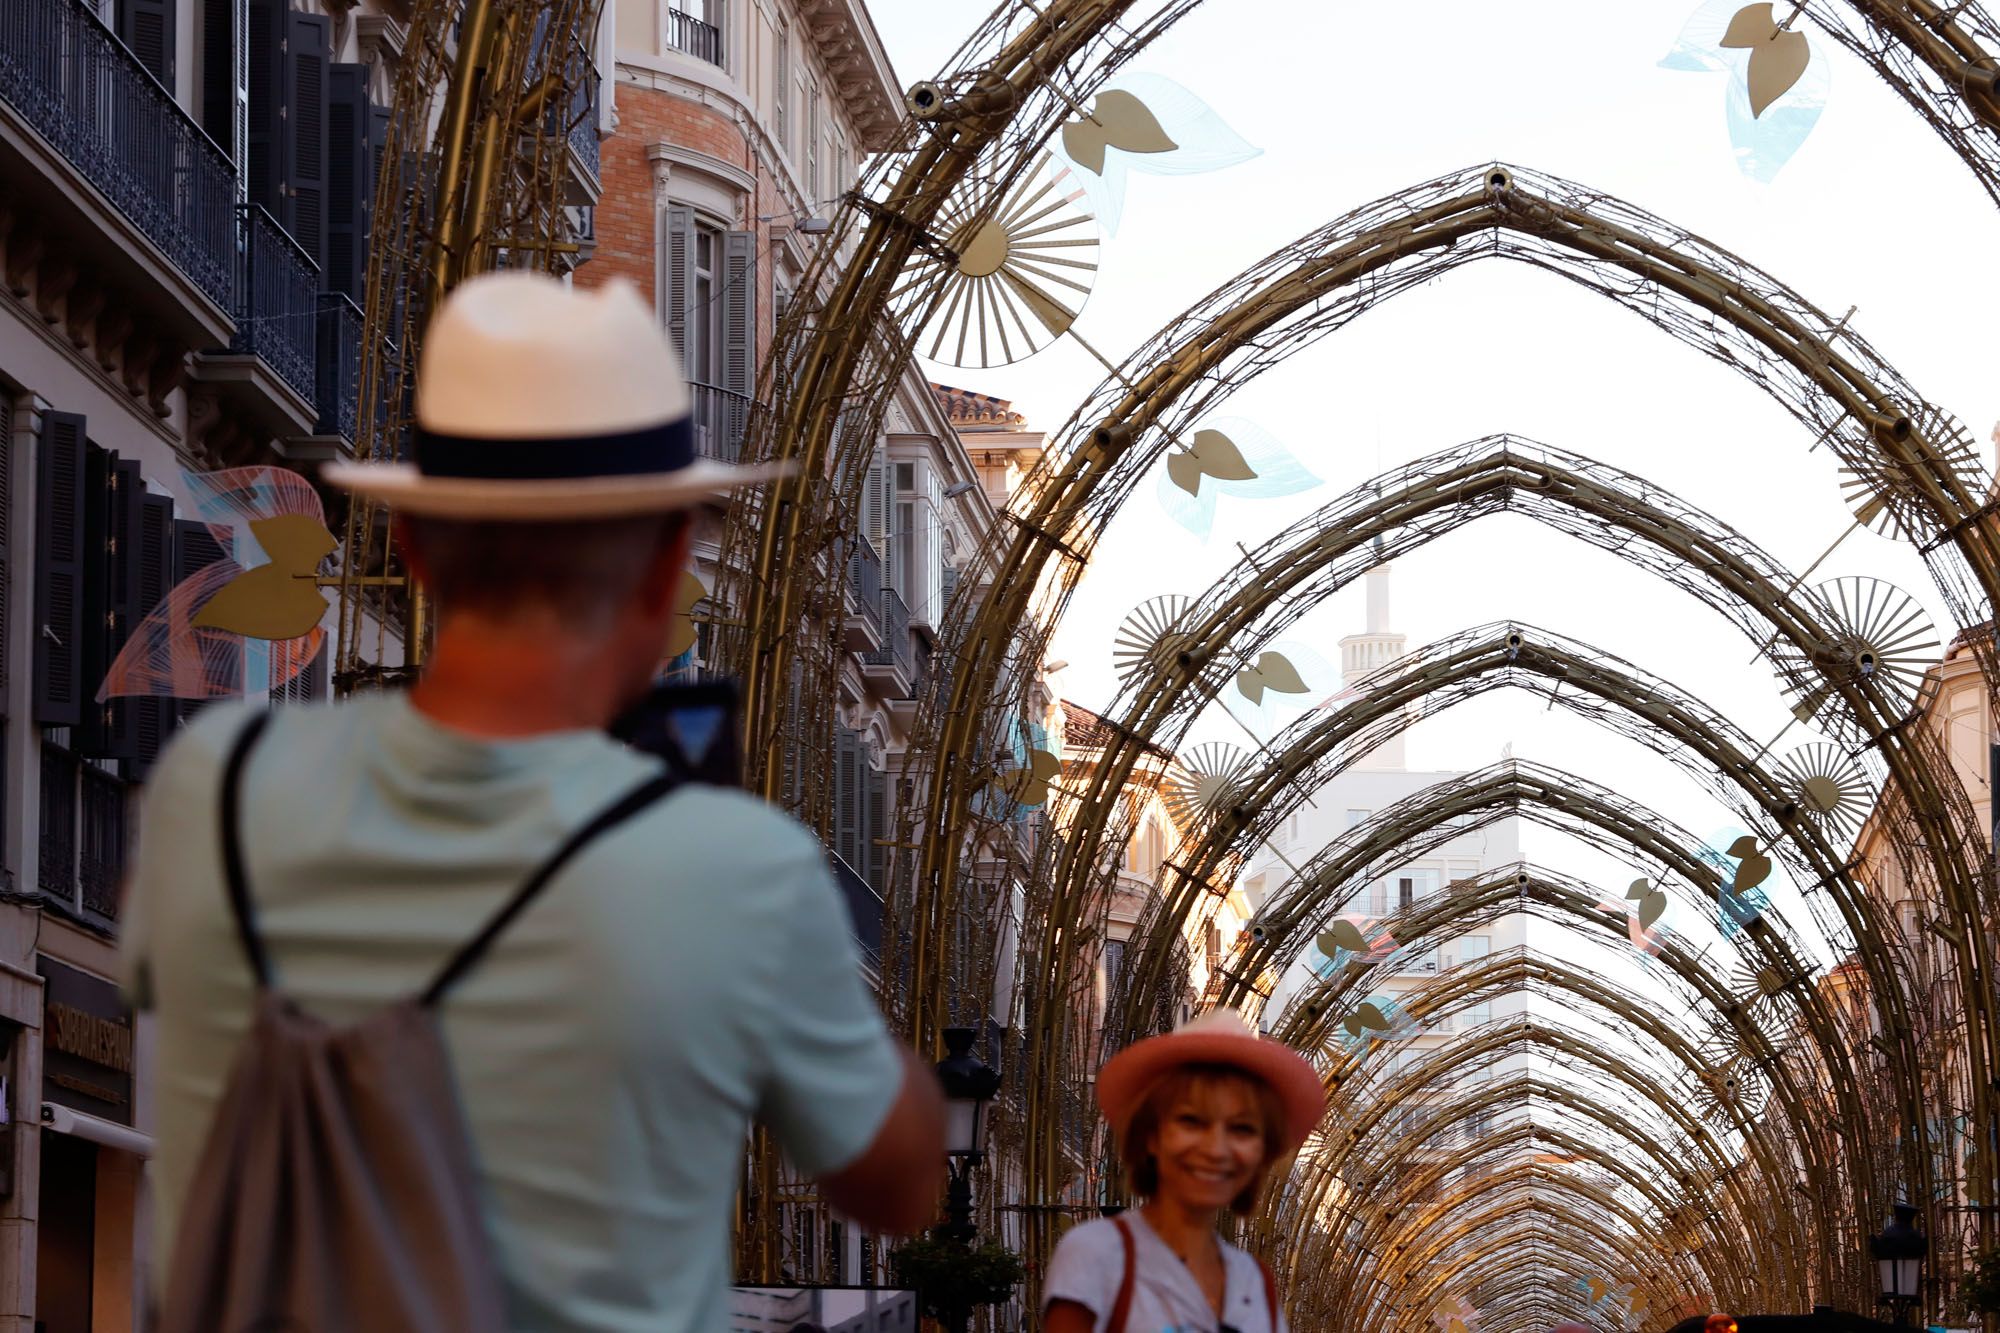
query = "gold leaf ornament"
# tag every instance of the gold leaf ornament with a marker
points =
(1752, 866)
(1599, 1289)
(1366, 1017)
(280, 599)
(1342, 935)
(1778, 57)
(1652, 902)
(1212, 454)
(1119, 120)
(1271, 671)
(1029, 785)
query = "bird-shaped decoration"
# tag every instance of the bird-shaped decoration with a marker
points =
(1271, 671)
(1752, 866)
(279, 599)
(1776, 91)
(1778, 56)
(1347, 937)
(1381, 1018)
(1227, 456)
(1118, 120)
(1652, 902)
(1212, 454)
(1146, 123)
(245, 613)
(1743, 868)
(1029, 784)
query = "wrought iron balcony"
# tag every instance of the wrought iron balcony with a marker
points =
(338, 386)
(583, 116)
(720, 418)
(896, 652)
(78, 86)
(864, 580)
(688, 34)
(277, 300)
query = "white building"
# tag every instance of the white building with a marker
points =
(1378, 781)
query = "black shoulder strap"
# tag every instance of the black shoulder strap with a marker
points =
(232, 850)
(475, 949)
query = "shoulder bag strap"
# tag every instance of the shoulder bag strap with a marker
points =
(1270, 1293)
(1121, 1309)
(475, 949)
(234, 878)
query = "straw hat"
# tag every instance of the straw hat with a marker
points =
(540, 402)
(1218, 1037)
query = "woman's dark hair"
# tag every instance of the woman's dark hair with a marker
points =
(1135, 1149)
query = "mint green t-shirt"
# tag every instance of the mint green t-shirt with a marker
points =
(689, 971)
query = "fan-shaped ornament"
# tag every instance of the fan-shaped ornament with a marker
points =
(1729, 1090)
(1150, 640)
(1204, 783)
(1019, 269)
(1831, 787)
(1950, 457)
(1881, 640)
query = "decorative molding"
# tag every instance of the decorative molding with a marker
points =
(381, 38)
(852, 52)
(683, 175)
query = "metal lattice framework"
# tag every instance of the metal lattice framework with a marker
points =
(1589, 1159)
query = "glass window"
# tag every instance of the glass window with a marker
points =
(906, 547)
(1482, 1012)
(704, 311)
(781, 71)
(1406, 892)
(1471, 947)
(1355, 817)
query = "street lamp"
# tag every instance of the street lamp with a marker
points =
(1898, 1251)
(969, 1083)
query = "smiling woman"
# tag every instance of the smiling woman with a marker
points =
(1201, 1115)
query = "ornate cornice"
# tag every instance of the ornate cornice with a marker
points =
(852, 52)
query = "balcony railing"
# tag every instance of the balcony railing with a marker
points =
(864, 578)
(77, 85)
(277, 305)
(897, 651)
(720, 418)
(864, 905)
(583, 114)
(690, 35)
(338, 394)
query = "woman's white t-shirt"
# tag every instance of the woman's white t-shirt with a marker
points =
(1089, 1264)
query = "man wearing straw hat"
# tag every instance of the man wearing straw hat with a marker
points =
(614, 1030)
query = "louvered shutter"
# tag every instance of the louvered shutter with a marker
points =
(739, 332)
(876, 830)
(195, 547)
(147, 28)
(113, 490)
(218, 72)
(270, 90)
(874, 507)
(676, 267)
(847, 803)
(6, 530)
(309, 55)
(350, 179)
(59, 570)
(152, 716)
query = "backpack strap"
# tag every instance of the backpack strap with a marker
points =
(468, 956)
(1121, 1308)
(233, 877)
(1270, 1292)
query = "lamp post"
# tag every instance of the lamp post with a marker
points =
(1898, 1251)
(969, 1083)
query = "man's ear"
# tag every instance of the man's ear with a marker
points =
(670, 557)
(406, 542)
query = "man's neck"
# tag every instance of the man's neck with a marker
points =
(506, 680)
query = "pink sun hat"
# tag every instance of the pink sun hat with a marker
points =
(1218, 1037)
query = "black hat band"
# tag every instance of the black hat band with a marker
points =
(656, 449)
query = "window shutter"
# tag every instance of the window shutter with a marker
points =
(6, 528)
(147, 29)
(676, 263)
(59, 570)
(152, 715)
(876, 831)
(111, 536)
(270, 91)
(739, 312)
(350, 179)
(194, 548)
(874, 507)
(309, 51)
(847, 807)
(218, 72)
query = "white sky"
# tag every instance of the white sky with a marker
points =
(1351, 102)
